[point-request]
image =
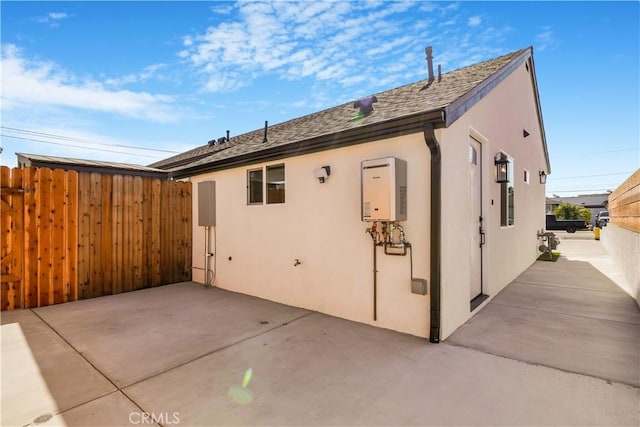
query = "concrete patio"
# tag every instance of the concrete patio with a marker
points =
(559, 346)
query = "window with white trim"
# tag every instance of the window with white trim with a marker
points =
(266, 184)
(275, 184)
(507, 197)
(254, 186)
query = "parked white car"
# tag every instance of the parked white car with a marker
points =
(602, 219)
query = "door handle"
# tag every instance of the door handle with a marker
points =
(482, 238)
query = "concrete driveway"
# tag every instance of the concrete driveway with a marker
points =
(568, 314)
(187, 355)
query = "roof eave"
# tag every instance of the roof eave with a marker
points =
(387, 129)
(66, 166)
(534, 81)
(457, 108)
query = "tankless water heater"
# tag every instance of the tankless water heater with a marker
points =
(384, 189)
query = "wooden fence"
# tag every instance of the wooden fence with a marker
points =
(69, 235)
(624, 204)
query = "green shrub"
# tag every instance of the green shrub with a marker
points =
(569, 211)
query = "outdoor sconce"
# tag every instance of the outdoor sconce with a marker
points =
(502, 168)
(543, 177)
(322, 173)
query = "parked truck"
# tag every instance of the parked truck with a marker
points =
(569, 225)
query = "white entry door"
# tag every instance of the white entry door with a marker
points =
(476, 229)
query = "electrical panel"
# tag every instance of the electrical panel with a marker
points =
(384, 189)
(207, 203)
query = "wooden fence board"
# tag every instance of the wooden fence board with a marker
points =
(95, 259)
(69, 235)
(187, 231)
(106, 258)
(146, 233)
(165, 232)
(176, 244)
(138, 234)
(84, 235)
(117, 234)
(45, 220)
(71, 267)
(624, 204)
(16, 292)
(30, 284)
(127, 255)
(155, 251)
(58, 232)
(6, 251)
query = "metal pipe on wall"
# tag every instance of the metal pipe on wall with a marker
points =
(435, 220)
(375, 281)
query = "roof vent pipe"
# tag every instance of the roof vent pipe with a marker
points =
(439, 73)
(429, 51)
(266, 125)
(227, 135)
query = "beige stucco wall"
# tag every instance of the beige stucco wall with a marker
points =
(320, 225)
(497, 122)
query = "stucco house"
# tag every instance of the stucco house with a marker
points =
(409, 209)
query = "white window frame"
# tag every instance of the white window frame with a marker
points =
(266, 183)
(508, 198)
(250, 187)
(278, 184)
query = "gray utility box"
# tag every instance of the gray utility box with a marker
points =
(384, 189)
(419, 286)
(207, 203)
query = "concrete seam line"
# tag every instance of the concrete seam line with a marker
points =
(563, 314)
(87, 402)
(89, 362)
(480, 350)
(556, 286)
(181, 364)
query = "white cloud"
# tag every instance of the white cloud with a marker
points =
(144, 75)
(51, 18)
(319, 40)
(58, 15)
(545, 39)
(222, 9)
(35, 84)
(474, 21)
(367, 43)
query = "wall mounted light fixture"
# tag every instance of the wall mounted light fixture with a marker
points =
(322, 174)
(502, 168)
(543, 177)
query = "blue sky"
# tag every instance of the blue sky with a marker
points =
(94, 79)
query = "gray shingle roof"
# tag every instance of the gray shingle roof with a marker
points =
(396, 103)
